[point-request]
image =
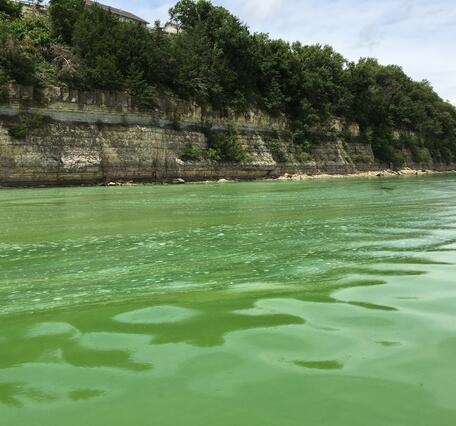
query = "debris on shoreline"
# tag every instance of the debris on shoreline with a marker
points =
(378, 173)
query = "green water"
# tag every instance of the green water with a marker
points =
(328, 302)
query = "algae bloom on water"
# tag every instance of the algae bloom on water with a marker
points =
(327, 302)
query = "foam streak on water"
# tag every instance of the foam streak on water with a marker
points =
(272, 303)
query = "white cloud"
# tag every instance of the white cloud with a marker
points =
(260, 10)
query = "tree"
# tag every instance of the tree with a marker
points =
(63, 15)
(273, 70)
(17, 62)
(217, 48)
(10, 9)
(96, 42)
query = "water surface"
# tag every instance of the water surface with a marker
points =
(328, 302)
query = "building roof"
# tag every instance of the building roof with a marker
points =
(118, 12)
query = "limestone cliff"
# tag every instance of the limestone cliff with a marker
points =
(99, 137)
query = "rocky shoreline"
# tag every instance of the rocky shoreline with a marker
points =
(301, 177)
(377, 173)
(286, 177)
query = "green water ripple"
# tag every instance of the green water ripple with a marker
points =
(269, 303)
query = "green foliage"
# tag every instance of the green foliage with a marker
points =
(385, 99)
(225, 147)
(301, 154)
(24, 44)
(192, 153)
(95, 40)
(215, 61)
(212, 154)
(4, 81)
(16, 62)
(359, 158)
(63, 15)
(143, 94)
(421, 155)
(301, 138)
(25, 124)
(275, 148)
(10, 9)
(213, 54)
(391, 155)
(221, 147)
(32, 31)
(121, 55)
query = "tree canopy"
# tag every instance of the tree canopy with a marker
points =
(215, 60)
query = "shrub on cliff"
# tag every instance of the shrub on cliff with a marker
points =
(221, 147)
(226, 147)
(192, 153)
(278, 153)
(25, 124)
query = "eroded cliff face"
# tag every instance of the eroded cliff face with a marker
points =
(100, 137)
(63, 152)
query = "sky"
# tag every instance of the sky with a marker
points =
(419, 35)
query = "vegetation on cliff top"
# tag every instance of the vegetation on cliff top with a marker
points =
(216, 60)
